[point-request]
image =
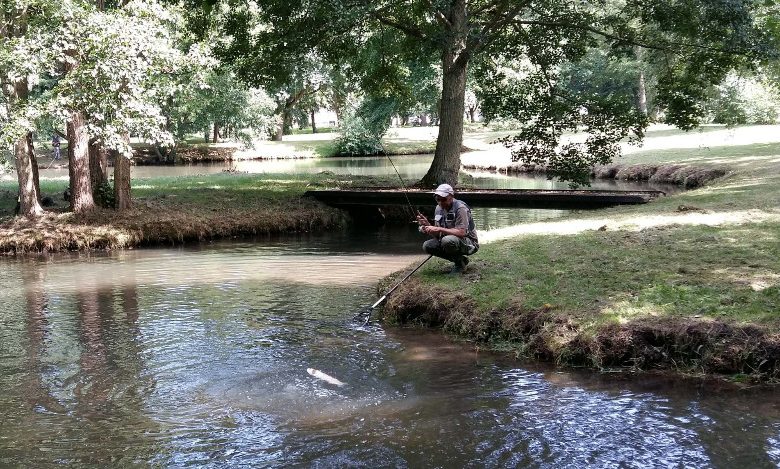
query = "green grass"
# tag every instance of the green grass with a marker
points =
(601, 277)
(653, 261)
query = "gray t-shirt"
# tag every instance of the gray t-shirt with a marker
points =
(458, 216)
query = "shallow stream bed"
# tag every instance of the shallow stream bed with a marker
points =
(198, 355)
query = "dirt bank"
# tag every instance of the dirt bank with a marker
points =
(691, 346)
(160, 222)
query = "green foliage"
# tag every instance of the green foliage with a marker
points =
(5, 164)
(743, 101)
(104, 195)
(546, 105)
(222, 99)
(559, 83)
(356, 138)
(363, 129)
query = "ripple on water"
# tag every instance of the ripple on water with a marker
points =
(199, 357)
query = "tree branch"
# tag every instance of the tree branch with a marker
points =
(666, 47)
(410, 30)
(439, 15)
(482, 38)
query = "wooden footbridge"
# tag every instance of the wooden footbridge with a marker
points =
(521, 198)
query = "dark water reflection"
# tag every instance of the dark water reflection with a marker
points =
(198, 356)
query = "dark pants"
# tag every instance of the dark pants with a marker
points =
(450, 247)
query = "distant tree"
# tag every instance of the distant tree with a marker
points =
(20, 70)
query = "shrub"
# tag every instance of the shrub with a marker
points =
(357, 139)
(362, 130)
(740, 100)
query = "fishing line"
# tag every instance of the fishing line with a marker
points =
(403, 184)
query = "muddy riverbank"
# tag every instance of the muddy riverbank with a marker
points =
(695, 346)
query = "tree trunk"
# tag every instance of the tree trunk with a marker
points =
(29, 195)
(216, 133)
(472, 112)
(206, 136)
(26, 172)
(98, 165)
(313, 123)
(34, 162)
(81, 199)
(282, 122)
(122, 196)
(641, 96)
(446, 161)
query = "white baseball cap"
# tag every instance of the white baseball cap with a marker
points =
(444, 190)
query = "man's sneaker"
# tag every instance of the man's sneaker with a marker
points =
(460, 266)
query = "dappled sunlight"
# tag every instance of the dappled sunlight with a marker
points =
(694, 218)
(629, 223)
(755, 279)
(625, 311)
(745, 160)
(743, 183)
(719, 138)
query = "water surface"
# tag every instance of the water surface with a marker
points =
(198, 356)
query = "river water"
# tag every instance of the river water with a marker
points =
(198, 356)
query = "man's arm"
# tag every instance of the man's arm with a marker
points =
(460, 229)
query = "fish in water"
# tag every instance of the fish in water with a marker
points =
(327, 378)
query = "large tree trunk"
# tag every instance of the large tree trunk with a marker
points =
(446, 161)
(285, 118)
(216, 133)
(122, 181)
(313, 123)
(29, 194)
(81, 199)
(98, 165)
(27, 173)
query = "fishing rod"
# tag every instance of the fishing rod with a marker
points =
(367, 311)
(403, 184)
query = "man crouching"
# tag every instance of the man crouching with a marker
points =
(453, 233)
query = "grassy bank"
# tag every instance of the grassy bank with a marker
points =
(690, 282)
(172, 210)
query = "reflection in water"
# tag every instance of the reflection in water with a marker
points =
(198, 356)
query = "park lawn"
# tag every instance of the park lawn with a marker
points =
(172, 210)
(690, 281)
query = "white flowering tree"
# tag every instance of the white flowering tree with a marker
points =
(113, 61)
(106, 67)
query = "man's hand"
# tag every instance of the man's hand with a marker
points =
(421, 220)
